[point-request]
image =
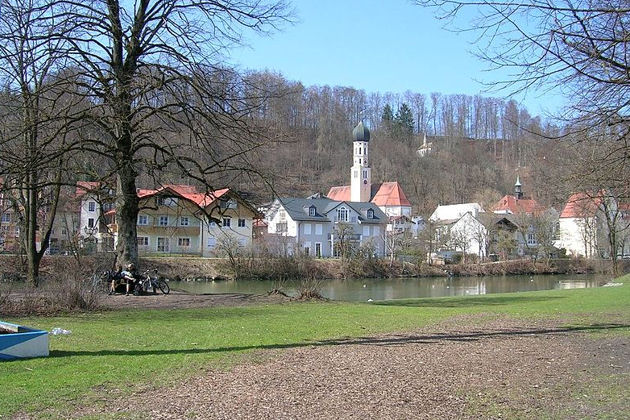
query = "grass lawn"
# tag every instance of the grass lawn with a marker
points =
(128, 349)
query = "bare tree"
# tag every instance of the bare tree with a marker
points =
(580, 48)
(36, 120)
(159, 100)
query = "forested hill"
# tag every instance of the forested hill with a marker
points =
(480, 144)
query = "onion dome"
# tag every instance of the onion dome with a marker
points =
(361, 133)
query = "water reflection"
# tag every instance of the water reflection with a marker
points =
(387, 289)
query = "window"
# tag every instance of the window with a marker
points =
(63, 231)
(183, 242)
(212, 242)
(162, 245)
(241, 222)
(281, 227)
(531, 239)
(143, 220)
(318, 249)
(370, 214)
(163, 221)
(307, 228)
(365, 174)
(143, 241)
(366, 231)
(90, 222)
(311, 211)
(318, 229)
(377, 230)
(184, 221)
(6, 217)
(242, 242)
(307, 248)
(342, 214)
(91, 206)
(227, 222)
(282, 215)
(166, 201)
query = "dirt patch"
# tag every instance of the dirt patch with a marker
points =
(179, 300)
(497, 368)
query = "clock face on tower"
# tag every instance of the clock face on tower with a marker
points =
(365, 181)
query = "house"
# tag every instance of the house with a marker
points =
(426, 148)
(388, 196)
(584, 224)
(9, 227)
(517, 203)
(180, 220)
(93, 200)
(319, 226)
(466, 234)
(453, 212)
(534, 225)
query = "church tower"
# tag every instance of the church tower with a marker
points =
(360, 173)
(518, 188)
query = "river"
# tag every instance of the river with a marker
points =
(362, 290)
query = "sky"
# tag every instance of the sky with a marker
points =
(378, 46)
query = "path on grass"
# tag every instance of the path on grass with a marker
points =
(499, 368)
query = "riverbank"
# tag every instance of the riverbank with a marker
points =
(486, 356)
(191, 269)
(197, 268)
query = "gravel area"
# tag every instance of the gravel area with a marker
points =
(497, 368)
(179, 300)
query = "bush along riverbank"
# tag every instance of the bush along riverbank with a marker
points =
(312, 268)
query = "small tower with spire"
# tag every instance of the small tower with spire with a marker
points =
(518, 188)
(360, 173)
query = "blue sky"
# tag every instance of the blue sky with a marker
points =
(378, 46)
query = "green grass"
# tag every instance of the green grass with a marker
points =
(129, 349)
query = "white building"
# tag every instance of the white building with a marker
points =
(453, 212)
(315, 226)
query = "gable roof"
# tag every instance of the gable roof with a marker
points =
(511, 204)
(385, 194)
(297, 209)
(581, 205)
(187, 192)
(453, 212)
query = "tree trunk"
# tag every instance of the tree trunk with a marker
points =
(127, 215)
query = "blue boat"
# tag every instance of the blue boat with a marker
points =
(19, 342)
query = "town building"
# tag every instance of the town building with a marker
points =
(180, 220)
(319, 226)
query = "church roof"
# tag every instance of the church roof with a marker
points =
(361, 133)
(385, 194)
(513, 205)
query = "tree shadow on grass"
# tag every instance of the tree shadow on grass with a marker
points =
(467, 302)
(389, 340)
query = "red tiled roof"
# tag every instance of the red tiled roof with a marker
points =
(341, 193)
(581, 205)
(84, 187)
(385, 194)
(390, 194)
(186, 191)
(516, 206)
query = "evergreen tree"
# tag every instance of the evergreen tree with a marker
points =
(404, 120)
(388, 114)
